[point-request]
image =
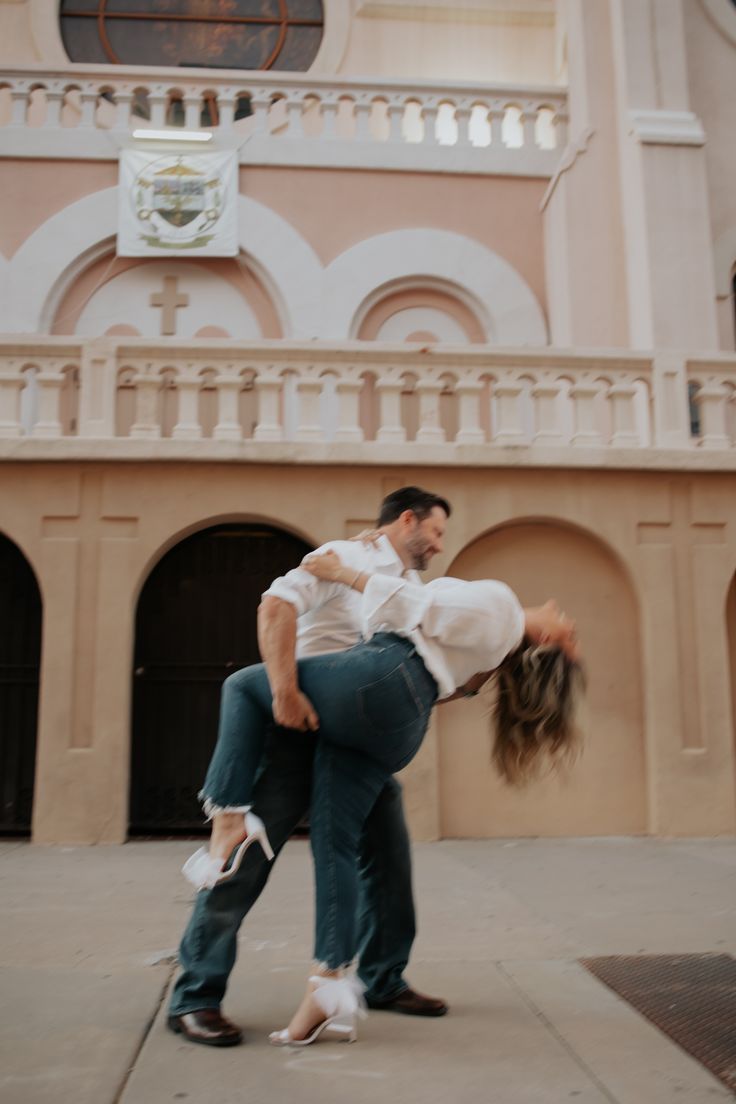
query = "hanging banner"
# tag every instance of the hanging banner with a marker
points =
(178, 204)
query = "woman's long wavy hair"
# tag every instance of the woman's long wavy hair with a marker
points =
(537, 691)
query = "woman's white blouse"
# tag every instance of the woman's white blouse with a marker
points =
(459, 628)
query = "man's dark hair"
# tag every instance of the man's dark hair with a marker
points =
(420, 502)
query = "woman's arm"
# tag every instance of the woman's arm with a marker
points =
(329, 566)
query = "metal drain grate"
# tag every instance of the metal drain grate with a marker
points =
(692, 998)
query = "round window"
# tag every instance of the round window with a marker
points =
(219, 34)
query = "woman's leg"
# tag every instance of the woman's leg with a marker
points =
(245, 719)
(345, 786)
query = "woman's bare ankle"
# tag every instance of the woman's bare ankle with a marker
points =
(228, 830)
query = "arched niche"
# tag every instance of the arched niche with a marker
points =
(195, 625)
(731, 631)
(20, 653)
(605, 792)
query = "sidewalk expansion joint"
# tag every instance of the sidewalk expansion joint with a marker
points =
(117, 1099)
(547, 1023)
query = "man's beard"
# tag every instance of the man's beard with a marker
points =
(418, 551)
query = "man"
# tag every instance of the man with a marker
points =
(292, 624)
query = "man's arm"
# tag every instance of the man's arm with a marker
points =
(277, 644)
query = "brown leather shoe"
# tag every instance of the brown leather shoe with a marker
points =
(206, 1026)
(411, 1004)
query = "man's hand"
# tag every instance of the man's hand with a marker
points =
(292, 709)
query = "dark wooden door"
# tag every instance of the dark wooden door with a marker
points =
(20, 651)
(195, 624)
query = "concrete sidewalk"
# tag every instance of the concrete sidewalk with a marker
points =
(88, 936)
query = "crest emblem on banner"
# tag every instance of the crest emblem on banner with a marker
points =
(179, 203)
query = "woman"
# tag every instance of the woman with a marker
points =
(423, 644)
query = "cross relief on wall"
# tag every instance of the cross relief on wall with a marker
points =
(169, 301)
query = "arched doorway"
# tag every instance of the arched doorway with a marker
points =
(605, 793)
(731, 631)
(195, 624)
(20, 652)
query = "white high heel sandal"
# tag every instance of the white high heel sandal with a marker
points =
(206, 871)
(341, 1000)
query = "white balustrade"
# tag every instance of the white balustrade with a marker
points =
(391, 114)
(315, 394)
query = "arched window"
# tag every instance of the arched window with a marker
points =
(212, 34)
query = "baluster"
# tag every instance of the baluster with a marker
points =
(469, 431)
(124, 99)
(430, 431)
(294, 113)
(188, 385)
(308, 392)
(269, 388)
(389, 389)
(192, 101)
(229, 385)
(48, 423)
(546, 396)
(463, 112)
(429, 113)
(329, 107)
(11, 385)
(560, 122)
(19, 99)
(587, 433)
(54, 104)
(260, 103)
(88, 98)
(509, 427)
(712, 400)
(362, 111)
(496, 115)
(348, 390)
(158, 99)
(147, 387)
(396, 109)
(528, 120)
(226, 109)
(621, 396)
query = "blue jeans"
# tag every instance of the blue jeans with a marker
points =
(383, 670)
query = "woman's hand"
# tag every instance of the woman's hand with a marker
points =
(327, 566)
(368, 536)
(547, 624)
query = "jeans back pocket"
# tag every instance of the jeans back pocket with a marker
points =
(391, 703)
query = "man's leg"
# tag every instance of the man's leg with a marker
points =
(209, 945)
(387, 924)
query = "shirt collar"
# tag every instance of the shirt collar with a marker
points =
(387, 556)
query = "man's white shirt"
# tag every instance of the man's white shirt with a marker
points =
(330, 614)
